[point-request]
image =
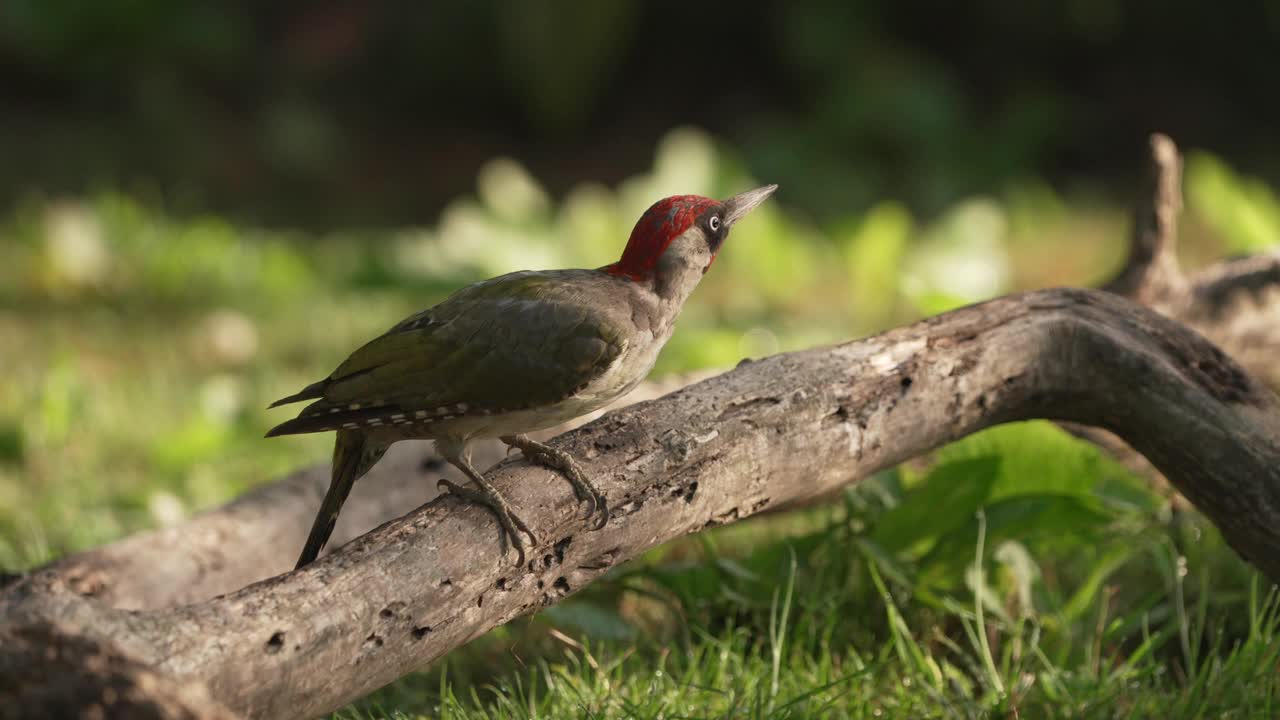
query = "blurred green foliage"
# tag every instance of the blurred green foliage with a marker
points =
(343, 113)
(140, 349)
(1244, 211)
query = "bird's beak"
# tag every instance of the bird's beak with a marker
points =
(739, 205)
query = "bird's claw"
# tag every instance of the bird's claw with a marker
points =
(509, 523)
(586, 492)
(583, 489)
(596, 505)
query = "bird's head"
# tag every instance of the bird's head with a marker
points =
(682, 233)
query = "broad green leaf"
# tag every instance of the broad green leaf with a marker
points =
(943, 501)
(1037, 457)
(892, 569)
(1026, 518)
(592, 620)
(1082, 599)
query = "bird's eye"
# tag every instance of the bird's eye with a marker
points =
(714, 223)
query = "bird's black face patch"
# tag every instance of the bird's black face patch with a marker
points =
(713, 227)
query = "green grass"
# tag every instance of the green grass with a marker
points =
(1092, 599)
(1018, 573)
(734, 673)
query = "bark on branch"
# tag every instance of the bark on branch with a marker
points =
(1235, 303)
(775, 431)
(177, 603)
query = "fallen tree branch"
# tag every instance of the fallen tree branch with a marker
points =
(774, 431)
(252, 537)
(78, 599)
(1235, 303)
(48, 672)
(1151, 274)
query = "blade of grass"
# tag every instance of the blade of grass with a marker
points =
(778, 627)
(984, 644)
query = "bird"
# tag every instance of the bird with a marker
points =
(514, 354)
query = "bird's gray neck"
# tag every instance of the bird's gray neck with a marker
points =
(678, 272)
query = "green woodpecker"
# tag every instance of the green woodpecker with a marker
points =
(518, 353)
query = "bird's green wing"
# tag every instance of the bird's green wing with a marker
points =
(518, 341)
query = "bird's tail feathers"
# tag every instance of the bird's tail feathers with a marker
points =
(310, 392)
(353, 455)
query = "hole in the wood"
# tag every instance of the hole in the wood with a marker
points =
(906, 382)
(561, 584)
(372, 642)
(501, 584)
(446, 582)
(386, 613)
(276, 643)
(561, 547)
(420, 632)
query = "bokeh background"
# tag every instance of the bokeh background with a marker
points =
(206, 205)
(324, 114)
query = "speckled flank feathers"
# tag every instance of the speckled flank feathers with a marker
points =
(519, 341)
(376, 414)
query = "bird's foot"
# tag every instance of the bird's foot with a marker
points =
(509, 522)
(583, 488)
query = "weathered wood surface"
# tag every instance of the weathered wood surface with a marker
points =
(204, 605)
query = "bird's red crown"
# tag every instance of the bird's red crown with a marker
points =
(663, 222)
